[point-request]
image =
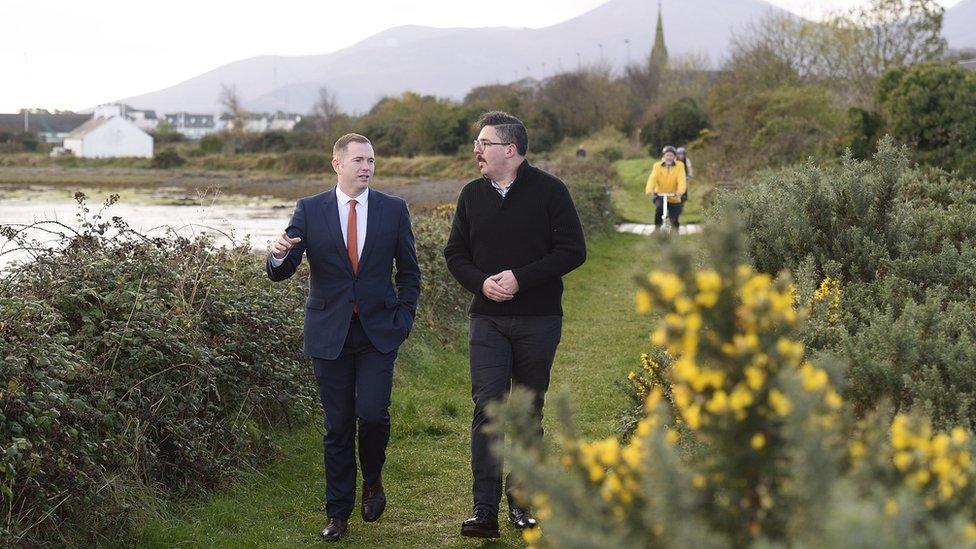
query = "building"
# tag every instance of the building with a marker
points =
(258, 122)
(284, 121)
(969, 64)
(49, 127)
(145, 120)
(109, 137)
(190, 125)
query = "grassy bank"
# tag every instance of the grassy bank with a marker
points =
(427, 475)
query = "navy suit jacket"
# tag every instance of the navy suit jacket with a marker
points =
(386, 312)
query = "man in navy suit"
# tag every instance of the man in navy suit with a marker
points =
(355, 320)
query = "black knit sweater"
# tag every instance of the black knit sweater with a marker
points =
(535, 231)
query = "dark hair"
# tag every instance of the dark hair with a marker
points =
(510, 129)
(343, 142)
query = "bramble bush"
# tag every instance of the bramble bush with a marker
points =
(743, 438)
(900, 244)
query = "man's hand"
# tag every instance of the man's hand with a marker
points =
(494, 291)
(508, 282)
(284, 245)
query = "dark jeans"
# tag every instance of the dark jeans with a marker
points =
(354, 386)
(505, 351)
(674, 211)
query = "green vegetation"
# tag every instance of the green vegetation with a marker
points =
(808, 379)
(138, 371)
(427, 475)
(898, 241)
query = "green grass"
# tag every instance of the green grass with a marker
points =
(633, 205)
(427, 474)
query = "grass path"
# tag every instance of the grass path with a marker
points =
(427, 475)
(633, 205)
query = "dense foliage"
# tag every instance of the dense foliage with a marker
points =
(132, 365)
(898, 243)
(742, 437)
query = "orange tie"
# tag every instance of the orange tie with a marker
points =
(352, 244)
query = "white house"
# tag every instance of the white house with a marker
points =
(143, 119)
(284, 121)
(111, 137)
(192, 126)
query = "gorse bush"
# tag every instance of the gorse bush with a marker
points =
(590, 182)
(899, 242)
(743, 438)
(131, 365)
(443, 303)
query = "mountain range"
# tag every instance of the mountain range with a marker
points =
(448, 62)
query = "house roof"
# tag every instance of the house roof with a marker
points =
(86, 128)
(42, 122)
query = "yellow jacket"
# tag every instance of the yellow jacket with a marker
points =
(667, 180)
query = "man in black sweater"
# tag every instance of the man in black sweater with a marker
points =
(516, 232)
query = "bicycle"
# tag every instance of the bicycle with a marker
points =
(665, 220)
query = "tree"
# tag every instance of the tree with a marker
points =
(676, 124)
(932, 107)
(233, 107)
(325, 112)
(849, 51)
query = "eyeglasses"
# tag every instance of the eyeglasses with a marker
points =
(483, 144)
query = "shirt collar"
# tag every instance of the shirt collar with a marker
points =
(344, 199)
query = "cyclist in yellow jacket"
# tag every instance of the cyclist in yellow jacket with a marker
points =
(668, 176)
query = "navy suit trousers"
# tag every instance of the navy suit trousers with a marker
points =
(354, 389)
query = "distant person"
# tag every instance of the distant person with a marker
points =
(355, 319)
(681, 155)
(667, 176)
(515, 234)
(581, 152)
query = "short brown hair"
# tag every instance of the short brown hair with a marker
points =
(343, 142)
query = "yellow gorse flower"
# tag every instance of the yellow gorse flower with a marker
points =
(936, 465)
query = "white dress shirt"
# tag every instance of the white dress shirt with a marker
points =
(362, 210)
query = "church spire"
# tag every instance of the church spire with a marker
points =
(659, 53)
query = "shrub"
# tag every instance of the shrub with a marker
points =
(590, 182)
(303, 162)
(212, 144)
(898, 241)
(443, 302)
(743, 440)
(675, 124)
(932, 108)
(134, 366)
(167, 159)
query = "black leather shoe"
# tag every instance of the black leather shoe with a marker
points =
(521, 518)
(373, 501)
(484, 524)
(335, 529)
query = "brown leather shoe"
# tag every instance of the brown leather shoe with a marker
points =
(335, 529)
(373, 501)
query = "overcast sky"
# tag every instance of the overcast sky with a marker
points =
(70, 54)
